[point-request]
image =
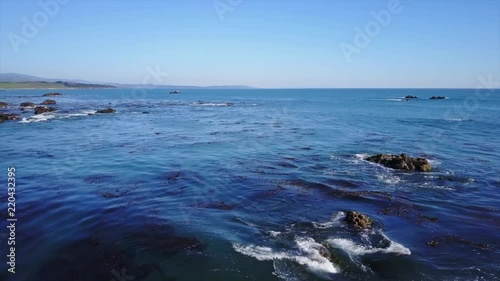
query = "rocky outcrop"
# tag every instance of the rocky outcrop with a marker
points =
(3, 104)
(28, 105)
(107, 110)
(358, 220)
(437, 98)
(52, 95)
(43, 109)
(409, 97)
(401, 162)
(47, 102)
(6, 117)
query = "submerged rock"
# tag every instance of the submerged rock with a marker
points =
(437, 98)
(107, 110)
(401, 162)
(43, 109)
(358, 220)
(52, 95)
(6, 117)
(219, 206)
(3, 104)
(28, 105)
(46, 102)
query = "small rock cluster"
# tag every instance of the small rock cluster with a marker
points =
(39, 109)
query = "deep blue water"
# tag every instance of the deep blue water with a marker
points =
(170, 188)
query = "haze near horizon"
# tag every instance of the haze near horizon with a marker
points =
(267, 44)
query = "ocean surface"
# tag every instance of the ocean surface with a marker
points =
(251, 185)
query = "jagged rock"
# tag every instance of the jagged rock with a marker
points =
(401, 162)
(52, 95)
(107, 110)
(49, 102)
(3, 104)
(437, 98)
(43, 109)
(358, 220)
(28, 105)
(324, 252)
(409, 97)
(6, 117)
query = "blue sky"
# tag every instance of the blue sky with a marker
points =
(262, 43)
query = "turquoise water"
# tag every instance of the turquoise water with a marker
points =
(252, 185)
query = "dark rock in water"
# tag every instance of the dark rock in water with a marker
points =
(359, 220)
(28, 105)
(409, 97)
(107, 110)
(162, 240)
(219, 206)
(454, 178)
(433, 243)
(286, 165)
(452, 238)
(3, 104)
(6, 117)
(323, 251)
(52, 95)
(423, 218)
(46, 102)
(43, 109)
(437, 98)
(401, 162)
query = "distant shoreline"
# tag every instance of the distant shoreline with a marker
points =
(50, 86)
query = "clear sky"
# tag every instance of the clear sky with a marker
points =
(262, 43)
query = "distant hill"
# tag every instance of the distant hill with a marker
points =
(16, 77)
(23, 81)
(9, 80)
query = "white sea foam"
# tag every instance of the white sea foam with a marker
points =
(260, 253)
(333, 222)
(273, 234)
(83, 113)
(307, 254)
(313, 260)
(213, 104)
(434, 162)
(457, 119)
(355, 249)
(48, 116)
(361, 156)
(389, 179)
(37, 118)
(442, 187)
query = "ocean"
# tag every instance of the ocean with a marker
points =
(250, 185)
